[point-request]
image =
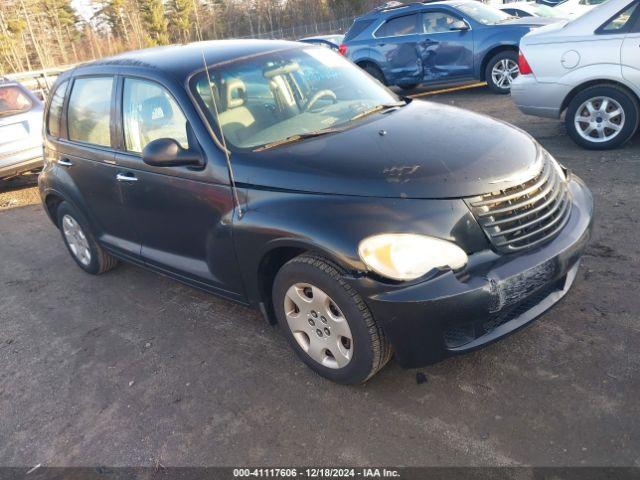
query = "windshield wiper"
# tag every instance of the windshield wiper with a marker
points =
(377, 108)
(297, 137)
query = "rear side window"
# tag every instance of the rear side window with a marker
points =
(406, 25)
(621, 22)
(89, 111)
(149, 113)
(357, 28)
(13, 100)
(55, 109)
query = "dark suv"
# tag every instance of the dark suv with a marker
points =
(281, 176)
(439, 43)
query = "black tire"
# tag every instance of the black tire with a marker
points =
(101, 261)
(628, 103)
(375, 72)
(508, 55)
(371, 351)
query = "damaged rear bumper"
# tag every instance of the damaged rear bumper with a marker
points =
(494, 296)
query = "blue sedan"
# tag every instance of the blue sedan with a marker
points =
(439, 43)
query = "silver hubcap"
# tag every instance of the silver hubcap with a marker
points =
(504, 73)
(599, 119)
(76, 239)
(318, 325)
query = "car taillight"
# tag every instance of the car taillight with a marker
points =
(343, 49)
(523, 65)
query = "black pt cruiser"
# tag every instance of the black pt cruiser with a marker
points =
(280, 175)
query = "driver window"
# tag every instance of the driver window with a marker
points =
(437, 22)
(149, 113)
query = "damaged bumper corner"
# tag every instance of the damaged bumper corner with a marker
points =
(495, 295)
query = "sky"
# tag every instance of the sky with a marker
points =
(84, 8)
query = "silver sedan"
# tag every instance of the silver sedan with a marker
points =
(20, 129)
(588, 69)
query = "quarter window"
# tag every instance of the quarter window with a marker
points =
(406, 25)
(89, 115)
(149, 113)
(55, 109)
(620, 22)
(437, 22)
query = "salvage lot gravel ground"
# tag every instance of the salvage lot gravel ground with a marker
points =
(132, 368)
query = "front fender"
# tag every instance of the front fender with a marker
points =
(334, 225)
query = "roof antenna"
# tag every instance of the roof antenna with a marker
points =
(227, 153)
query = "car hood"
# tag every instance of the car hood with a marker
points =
(531, 21)
(422, 150)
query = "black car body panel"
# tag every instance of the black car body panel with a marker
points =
(407, 169)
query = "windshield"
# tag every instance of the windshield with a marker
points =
(279, 95)
(545, 11)
(13, 100)
(482, 13)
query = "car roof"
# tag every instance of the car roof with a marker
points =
(409, 7)
(587, 23)
(180, 60)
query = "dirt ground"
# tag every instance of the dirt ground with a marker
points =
(132, 368)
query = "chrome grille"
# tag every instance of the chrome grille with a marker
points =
(527, 215)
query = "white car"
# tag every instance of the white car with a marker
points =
(589, 69)
(530, 9)
(575, 8)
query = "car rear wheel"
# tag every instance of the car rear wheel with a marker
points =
(326, 321)
(375, 72)
(501, 71)
(80, 242)
(602, 117)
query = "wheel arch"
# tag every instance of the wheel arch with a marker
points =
(596, 83)
(279, 253)
(363, 63)
(52, 201)
(492, 53)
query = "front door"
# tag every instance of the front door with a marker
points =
(85, 162)
(446, 49)
(183, 218)
(397, 44)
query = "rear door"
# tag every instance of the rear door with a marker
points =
(86, 161)
(630, 54)
(396, 41)
(182, 215)
(446, 51)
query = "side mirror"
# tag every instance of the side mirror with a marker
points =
(459, 25)
(166, 152)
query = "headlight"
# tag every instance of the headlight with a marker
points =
(405, 256)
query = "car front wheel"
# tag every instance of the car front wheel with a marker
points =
(602, 117)
(326, 321)
(501, 71)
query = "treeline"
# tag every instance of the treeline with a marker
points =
(36, 34)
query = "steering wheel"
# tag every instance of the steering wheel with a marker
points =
(321, 94)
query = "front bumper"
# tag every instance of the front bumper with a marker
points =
(537, 98)
(495, 295)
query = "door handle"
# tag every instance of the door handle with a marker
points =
(65, 162)
(126, 177)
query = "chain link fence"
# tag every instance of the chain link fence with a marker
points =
(301, 31)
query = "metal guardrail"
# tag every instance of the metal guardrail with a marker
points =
(38, 81)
